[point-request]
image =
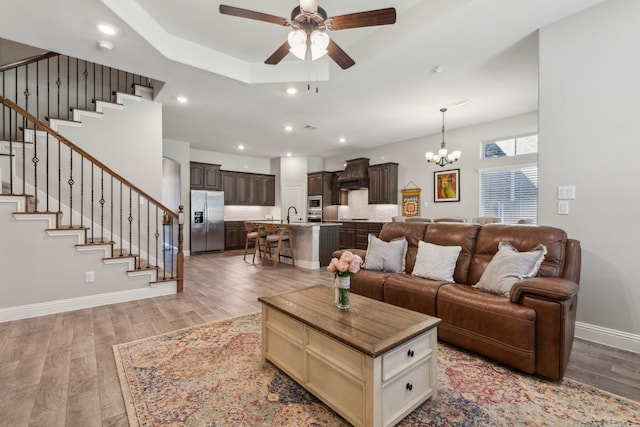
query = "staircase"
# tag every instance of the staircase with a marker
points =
(79, 202)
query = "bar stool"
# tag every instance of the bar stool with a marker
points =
(252, 237)
(278, 238)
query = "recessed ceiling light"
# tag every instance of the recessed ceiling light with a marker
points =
(104, 45)
(342, 140)
(288, 128)
(289, 154)
(437, 69)
(182, 99)
(107, 29)
(240, 147)
(292, 91)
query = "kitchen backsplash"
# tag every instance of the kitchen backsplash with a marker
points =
(359, 207)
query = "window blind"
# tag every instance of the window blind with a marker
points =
(510, 194)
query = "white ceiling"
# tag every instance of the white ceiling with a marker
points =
(487, 48)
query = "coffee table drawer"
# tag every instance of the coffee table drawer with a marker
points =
(288, 355)
(403, 393)
(405, 355)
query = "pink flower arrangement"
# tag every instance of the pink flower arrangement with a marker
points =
(347, 265)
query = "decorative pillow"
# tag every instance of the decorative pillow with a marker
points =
(508, 266)
(436, 262)
(385, 256)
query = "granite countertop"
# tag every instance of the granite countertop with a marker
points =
(365, 221)
(301, 224)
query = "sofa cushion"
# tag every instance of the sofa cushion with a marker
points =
(436, 262)
(412, 231)
(385, 256)
(412, 292)
(523, 238)
(508, 266)
(488, 324)
(369, 283)
(455, 234)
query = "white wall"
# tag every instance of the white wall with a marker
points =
(412, 166)
(129, 141)
(590, 138)
(179, 152)
(232, 162)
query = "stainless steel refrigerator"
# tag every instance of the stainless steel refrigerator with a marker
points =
(207, 221)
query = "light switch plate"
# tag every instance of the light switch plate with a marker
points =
(566, 192)
(563, 207)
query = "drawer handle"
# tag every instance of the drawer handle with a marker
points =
(410, 353)
(409, 386)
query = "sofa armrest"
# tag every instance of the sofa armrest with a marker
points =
(360, 252)
(549, 288)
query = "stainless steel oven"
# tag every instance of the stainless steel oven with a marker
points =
(314, 203)
(314, 209)
(314, 216)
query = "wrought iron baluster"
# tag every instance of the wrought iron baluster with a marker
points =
(59, 176)
(91, 223)
(102, 206)
(86, 76)
(157, 235)
(77, 103)
(139, 242)
(35, 161)
(148, 234)
(24, 155)
(58, 84)
(121, 231)
(47, 173)
(112, 199)
(70, 182)
(81, 191)
(130, 219)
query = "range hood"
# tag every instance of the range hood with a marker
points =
(355, 175)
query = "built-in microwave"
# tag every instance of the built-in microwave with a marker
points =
(314, 203)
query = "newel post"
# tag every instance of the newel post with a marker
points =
(180, 260)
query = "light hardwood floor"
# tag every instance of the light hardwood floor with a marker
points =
(59, 370)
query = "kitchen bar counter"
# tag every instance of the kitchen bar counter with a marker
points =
(313, 242)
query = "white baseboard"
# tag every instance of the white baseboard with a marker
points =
(610, 337)
(59, 306)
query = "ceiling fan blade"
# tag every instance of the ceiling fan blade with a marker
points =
(341, 58)
(278, 55)
(251, 14)
(363, 19)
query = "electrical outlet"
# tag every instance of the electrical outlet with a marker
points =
(89, 277)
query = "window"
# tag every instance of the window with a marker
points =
(511, 147)
(509, 190)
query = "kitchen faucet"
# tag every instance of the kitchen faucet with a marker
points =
(295, 211)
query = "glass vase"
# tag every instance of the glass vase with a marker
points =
(343, 283)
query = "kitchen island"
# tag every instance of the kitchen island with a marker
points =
(313, 242)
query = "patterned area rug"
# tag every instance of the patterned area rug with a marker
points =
(213, 375)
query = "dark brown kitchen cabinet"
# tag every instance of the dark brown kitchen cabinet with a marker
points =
(234, 235)
(205, 176)
(338, 196)
(262, 190)
(315, 184)
(348, 235)
(356, 234)
(242, 188)
(383, 184)
(325, 184)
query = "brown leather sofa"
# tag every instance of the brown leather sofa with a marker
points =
(532, 330)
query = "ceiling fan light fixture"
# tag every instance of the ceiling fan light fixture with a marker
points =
(319, 41)
(298, 43)
(309, 6)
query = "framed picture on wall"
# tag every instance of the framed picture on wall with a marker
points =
(446, 186)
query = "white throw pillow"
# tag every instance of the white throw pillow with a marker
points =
(508, 266)
(436, 262)
(385, 256)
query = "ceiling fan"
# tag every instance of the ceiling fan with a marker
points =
(308, 39)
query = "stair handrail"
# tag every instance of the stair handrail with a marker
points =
(178, 216)
(27, 61)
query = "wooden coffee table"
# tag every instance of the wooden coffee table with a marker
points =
(372, 364)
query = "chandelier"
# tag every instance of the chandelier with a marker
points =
(443, 158)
